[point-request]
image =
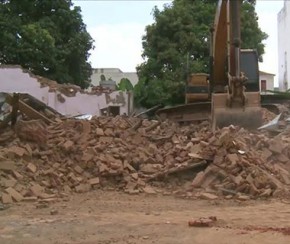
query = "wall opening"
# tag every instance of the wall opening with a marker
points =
(114, 110)
(263, 85)
(110, 111)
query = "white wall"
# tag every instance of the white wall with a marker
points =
(269, 78)
(284, 47)
(14, 79)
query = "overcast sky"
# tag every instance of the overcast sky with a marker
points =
(117, 28)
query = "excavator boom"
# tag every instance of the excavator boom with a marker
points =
(231, 103)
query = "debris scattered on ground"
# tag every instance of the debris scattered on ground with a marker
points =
(283, 230)
(203, 222)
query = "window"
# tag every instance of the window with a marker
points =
(114, 110)
(263, 85)
(110, 111)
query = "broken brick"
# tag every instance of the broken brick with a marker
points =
(14, 194)
(6, 198)
(134, 176)
(208, 196)
(106, 139)
(94, 181)
(233, 158)
(81, 188)
(37, 190)
(68, 145)
(276, 146)
(19, 151)
(7, 165)
(78, 169)
(17, 175)
(30, 199)
(9, 183)
(149, 190)
(203, 222)
(99, 132)
(31, 167)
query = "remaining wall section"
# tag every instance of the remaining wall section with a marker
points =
(14, 79)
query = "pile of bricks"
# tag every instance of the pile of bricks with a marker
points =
(249, 164)
(44, 163)
(267, 115)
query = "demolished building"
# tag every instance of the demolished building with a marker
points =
(68, 100)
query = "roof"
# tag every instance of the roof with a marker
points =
(266, 73)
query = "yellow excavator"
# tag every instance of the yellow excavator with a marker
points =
(230, 93)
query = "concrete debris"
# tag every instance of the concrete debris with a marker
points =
(140, 156)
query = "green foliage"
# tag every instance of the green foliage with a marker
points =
(47, 37)
(177, 43)
(125, 85)
(285, 94)
(251, 34)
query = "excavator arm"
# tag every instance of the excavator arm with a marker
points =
(219, 47)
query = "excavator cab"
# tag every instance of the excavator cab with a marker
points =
(232, 102)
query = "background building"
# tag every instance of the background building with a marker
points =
(266, 82)
(113, 74)
(284, 46)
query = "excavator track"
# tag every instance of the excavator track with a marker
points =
(186, 113)
(198, 112)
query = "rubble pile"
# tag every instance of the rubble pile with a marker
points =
(71, 155)
(267, 115)
(100, 90)
(77, 155)
(251, 164)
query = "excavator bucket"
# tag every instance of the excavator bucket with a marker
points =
(249, 116)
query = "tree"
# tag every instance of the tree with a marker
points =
(177, 43)
(125, 85)
(47, 37)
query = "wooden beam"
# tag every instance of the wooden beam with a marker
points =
(27, 110)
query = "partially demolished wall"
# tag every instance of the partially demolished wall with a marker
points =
(68, 100)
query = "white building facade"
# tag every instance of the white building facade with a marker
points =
(114, 74)
(266, 82)
(284, 46)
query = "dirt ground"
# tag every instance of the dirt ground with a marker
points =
(110, 217)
